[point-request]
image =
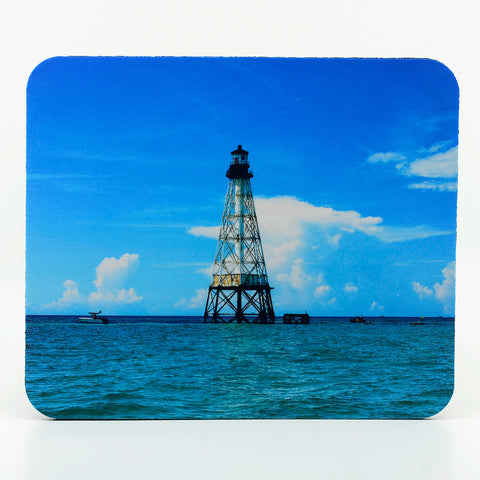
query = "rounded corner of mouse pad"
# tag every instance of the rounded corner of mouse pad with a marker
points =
(240, 237)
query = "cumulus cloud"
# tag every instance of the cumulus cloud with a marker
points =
(297, 235)
(71, 296)
(286, 217)
(121, 296)
(195, 302)
(297, 278)
(289, 225)
(421, 291)
(112, 272)
(445, 291)
(111, 276)
(277, 255)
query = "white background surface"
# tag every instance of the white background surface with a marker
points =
(35, 448)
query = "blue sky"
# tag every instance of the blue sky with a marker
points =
(354, 167)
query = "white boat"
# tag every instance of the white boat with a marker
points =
(94, 318)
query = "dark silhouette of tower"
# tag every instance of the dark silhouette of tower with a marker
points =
(239, 291)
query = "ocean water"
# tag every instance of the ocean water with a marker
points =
(181, 368)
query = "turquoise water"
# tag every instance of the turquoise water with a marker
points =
(181, 368)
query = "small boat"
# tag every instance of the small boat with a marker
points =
(94, 318)
(358, 319)
(298, 318)
(419, 322)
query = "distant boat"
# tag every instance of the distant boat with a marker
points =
(94, 318)
(358, 319)
(300, 318)
(419, 322)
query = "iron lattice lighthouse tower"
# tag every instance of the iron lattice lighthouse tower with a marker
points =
(239, 291)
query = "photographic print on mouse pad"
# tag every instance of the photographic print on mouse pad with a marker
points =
(240, 238)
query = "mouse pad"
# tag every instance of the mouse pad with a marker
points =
(240, 238)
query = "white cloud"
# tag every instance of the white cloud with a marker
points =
(71, 293)
(289, 225)
(111, 276)
(286, 217)
(402, 234)
(195, 302)
(334, 239)
(112, 272)
(128, 296)
(438, 165)
(441, 186)
(297, 278)
(209, 232)
(351, 288)
(321, 290)
(286, 221)
(296, 235)
(437, 147)
(421, 291)
(432, 163)
(122, 296)
(277, 255)
(445, 291)
(375, 307)
(386, 157)
(71, 296)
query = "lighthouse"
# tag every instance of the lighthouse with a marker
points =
(239, 291)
